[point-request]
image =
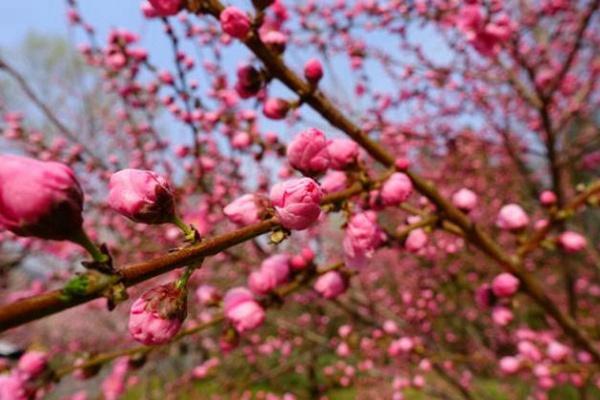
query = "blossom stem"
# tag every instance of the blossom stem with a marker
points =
(82, 239)
(188, 231)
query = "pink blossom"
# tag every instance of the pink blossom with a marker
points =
(33, 363)
(505, 285)
(396, 189)
(261, 282)
(245, 210)
(207, 295)
(509, 365)
(235, 22)
(502, 316)
(308, 152)
(313, 70)
(362, 238)
(297, 202)
(275, 40)
(334, 181)
(142, 196)
(165, 8)
(512, 217)
(572, 242)
(242, 310)
(343, 152)
(276, 108)
(156, 317)
(465, 200)
(13, 387)
(249, 81)
(548, 198)
(39, 198)
(557, 352)
(330, 285)
(416, 240)
(277, 265)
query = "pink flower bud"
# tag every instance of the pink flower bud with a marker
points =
(502, 316)
(242, 310)
(142, 196)
(33, 363)
(245, 210)
(484, 296)
(207, 295)
(396, 189)
(235, 22)
(249, 81)
(313, 71)
(334, 181)
(308, 152)
(572, 242)
(156, 317)
(148, 10)
(40, 199)
(557, 352)
(261, 282)
(275, 40)
(465, 200)
(510, 365)
(512, 217)
(416, 240)
(361, 239)
(276, 108)
(343, 152)
(14, 387)
(330, 285)
(277, 265)
(505, 285)
(296, 202)
(548, 198)
(164, 8)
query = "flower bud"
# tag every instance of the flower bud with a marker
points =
(512, 218)
(465, 200)
(308, 152)
(505, 285)
(275, 40)
(297, 202)
(396, 189)
(165, 8)
(362, 237)
(33, 363)
(261, 282)
(548, 198)
(39, 198)
(249, 81)
(276, 108)
(572, 242)
(334, 181)
(313, 71)
(330, 285)
(156, 317)
(207, 295)
(242, 310)
(343, 153)
(142, 196)
(245, 210)
(510, 365)
(235, 22)
(416, 240)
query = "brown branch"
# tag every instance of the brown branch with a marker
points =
(36, 307)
